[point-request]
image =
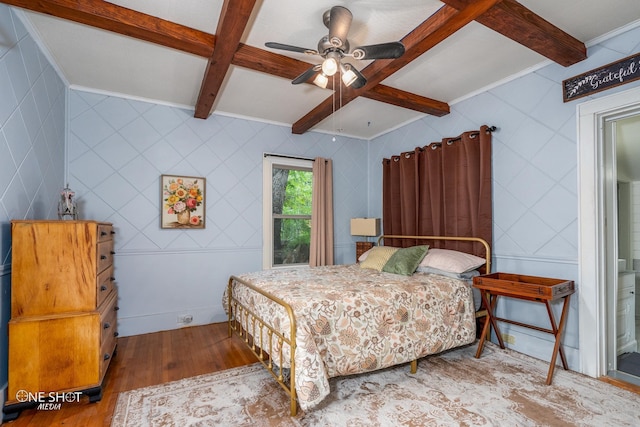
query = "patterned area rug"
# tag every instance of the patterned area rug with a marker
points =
(502, 388)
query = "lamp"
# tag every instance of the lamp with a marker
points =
(364, 227)
(321, 80)
(348, 76)
(330, 66)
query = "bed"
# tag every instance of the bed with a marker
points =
(307, 325)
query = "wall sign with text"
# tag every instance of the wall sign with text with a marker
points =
(611, 75)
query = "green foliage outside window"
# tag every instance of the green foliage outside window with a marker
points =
(292, 191)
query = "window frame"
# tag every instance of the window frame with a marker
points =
(269, 162)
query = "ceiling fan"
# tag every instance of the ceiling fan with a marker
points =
(335, 46)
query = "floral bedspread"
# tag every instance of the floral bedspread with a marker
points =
(352, 320)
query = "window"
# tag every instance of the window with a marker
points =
(287, 211)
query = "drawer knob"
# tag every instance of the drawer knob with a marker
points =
(107, 356)
(113, 232)
(103, 233)
(113, 253)
(112, 279)
(107, 325)
(103, 257)
(115, 334)
(116, 308)
(103, 288)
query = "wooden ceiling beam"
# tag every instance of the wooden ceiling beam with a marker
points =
(233, 20)
(408, 100)
(289, 68)
(507, 17)
(444, 22)
(128, 22)
(513, 20)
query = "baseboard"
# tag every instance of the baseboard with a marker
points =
(538, 347)
(149, 323)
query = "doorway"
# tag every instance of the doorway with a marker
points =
(621, 179)
(598, 225)
(622, 138)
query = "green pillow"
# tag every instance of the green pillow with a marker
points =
(405, 261)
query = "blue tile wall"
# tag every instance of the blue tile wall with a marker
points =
(119, 148)
(32, 145)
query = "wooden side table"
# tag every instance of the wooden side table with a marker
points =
(362, 247)
(530, 288)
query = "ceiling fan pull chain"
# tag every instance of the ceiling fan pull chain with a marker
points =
(333, 105)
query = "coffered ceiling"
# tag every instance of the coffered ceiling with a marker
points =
(210, 55)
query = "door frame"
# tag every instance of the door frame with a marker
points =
(592, 262)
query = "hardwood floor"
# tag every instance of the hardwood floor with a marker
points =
(150, 359)
(145, 360)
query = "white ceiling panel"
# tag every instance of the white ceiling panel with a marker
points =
(470, 60)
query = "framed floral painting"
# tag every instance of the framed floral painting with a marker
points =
(183, 201)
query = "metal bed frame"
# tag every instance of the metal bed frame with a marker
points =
(253, 329)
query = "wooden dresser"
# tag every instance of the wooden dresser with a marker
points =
(63, 327)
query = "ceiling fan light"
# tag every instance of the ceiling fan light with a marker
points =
(329, 66)
(321, 80)
(348, 76)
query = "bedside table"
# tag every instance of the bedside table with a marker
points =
(530, 288)
(362, 247)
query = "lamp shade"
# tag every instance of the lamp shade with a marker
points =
(365, 226)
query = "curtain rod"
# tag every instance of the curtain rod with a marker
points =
(474, 133)
(287, 157)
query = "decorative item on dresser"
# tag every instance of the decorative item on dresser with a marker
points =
(67, 206)
(368, 227)
(62, 332)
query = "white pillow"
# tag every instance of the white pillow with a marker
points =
(467, 275)
(364, 255)
(451, 261)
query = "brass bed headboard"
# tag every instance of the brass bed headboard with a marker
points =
(465, 239)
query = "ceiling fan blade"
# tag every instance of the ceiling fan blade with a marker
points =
(306, 75)
(360, 81)
(389, 50)
(281, 46)
(339, 23)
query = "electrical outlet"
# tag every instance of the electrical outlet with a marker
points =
(509, 339)
(185, 319)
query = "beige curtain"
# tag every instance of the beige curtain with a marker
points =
(321, 251)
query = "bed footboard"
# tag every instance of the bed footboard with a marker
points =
(261, 337)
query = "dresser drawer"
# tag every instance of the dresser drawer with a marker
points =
(106, 284)
(54, 353)
(109, 319)
(109, 332)
(105, 232)
(105, 254)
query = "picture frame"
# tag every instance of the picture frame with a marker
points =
(182, 200)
